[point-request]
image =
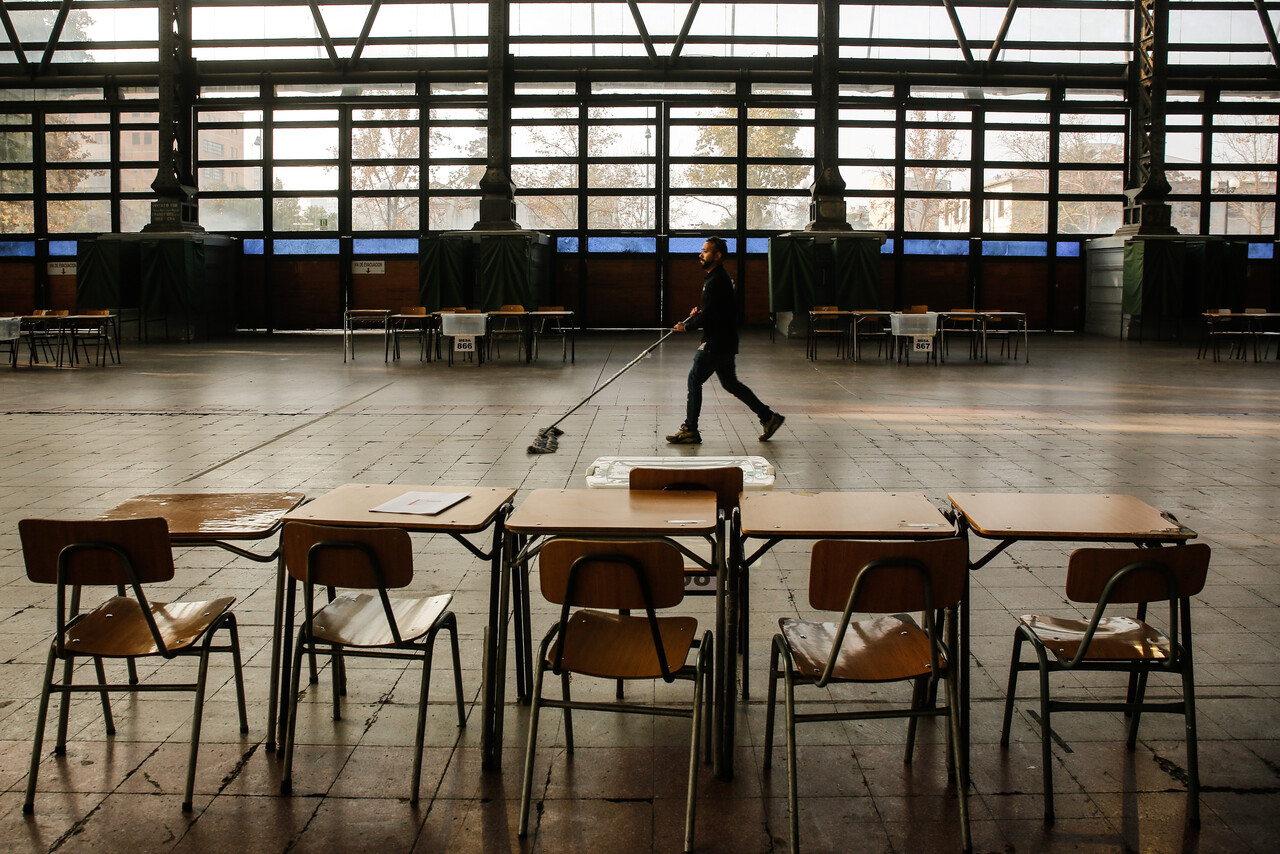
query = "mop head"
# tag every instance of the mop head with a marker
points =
(547, 441)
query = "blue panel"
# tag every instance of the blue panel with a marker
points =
(647, 245)
(62, 248)
(935, 247)
(566, 244)
(757, 245)
(385, 246)
(1262, 250)
(300, 246)
(1016, 248)
(1068, 248)
(253, 246)
(693, 245)
(17, 249)
(886, 248)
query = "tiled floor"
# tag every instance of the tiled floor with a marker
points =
(1199, 439)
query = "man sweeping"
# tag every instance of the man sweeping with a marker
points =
(717, 317)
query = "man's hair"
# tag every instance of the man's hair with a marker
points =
(718, 245)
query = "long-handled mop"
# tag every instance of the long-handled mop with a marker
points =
(548, 437)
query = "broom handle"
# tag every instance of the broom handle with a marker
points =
(625, 368)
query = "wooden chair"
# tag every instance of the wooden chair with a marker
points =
(618, 575)
(1005, 333)
(1104, 577)
(126, 555)
(726, 483)
(506, 326)
(966, 324)
(555, 326)
(874, 326)
(886, 579)
(95, 332)
(413, 320)
(823, 324)
(360, 624)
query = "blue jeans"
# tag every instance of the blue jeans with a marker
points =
(706, 363)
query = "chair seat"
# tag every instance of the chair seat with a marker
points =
(883, 649)
(615, 646)
(1116, 638)
(118, 629)
(358, 619)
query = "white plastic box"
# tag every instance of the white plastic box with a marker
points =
(452, 323)
(10, 328)
(914, 324)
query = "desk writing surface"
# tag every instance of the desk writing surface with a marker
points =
(814, 515)
(198, 515)
(624, 513)
(353, 503)
(1061, 516)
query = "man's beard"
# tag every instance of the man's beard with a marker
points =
(706, 265)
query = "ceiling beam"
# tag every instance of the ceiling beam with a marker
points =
(955, 25)
(1269, 30)
(55, 34)
(998, 44)
(684, 30)
(644, 31)
(12, 33)
(364, 33)
(323, 30)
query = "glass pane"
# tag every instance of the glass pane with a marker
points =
(1184, 182)
(699, 175)
(877, 143)
(78, 181)
(1031, 146)
(762, 177)
(463, 177)
(938, 143)
(1186, 216)
(784, 213)
(780, 141)
(619, 140)
(547, 212)
(229, 143)
(1091, 147)
(306, 214)
(867, 177)
(870, 214)
(620, 212)
(379, 143)
(17, 217)
(1246, 146)
(16, 181)
(935, 179)
(1015, 180)
(134, 214)
(74, 216)
(136, 180)
(1089, 217)
(542, 141)
(230, 116)
(620, 175)
(459, 141)
(704, 141)
(229, 178)
(222, 215)
(1015, 216)
(560, 176)
(387, 114)
(1093, 182)
(1182, 148)
(453, 213)
(77, 146)
(387, 176)
(1242, 217)
(305, 143)
(715, 213)
(139, 144)
(386, 213)
(936, 214)
(305, 178)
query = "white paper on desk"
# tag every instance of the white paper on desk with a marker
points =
(421, 503)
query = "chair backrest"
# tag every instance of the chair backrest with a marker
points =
(1255, 311)
(94, 312)
(550, 308)
(916, 309)
(1146, 573)
(360, 558)
(416, 310)
(826, 308)
(512, 307)
(724, 481)
(963, 311)
(91, 551)
(886, 574)
(611, 574)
